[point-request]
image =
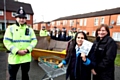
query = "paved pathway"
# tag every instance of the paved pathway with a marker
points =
(3, 64)
(36, 73)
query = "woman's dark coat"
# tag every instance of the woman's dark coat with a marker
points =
(83, 72)
(105, 52)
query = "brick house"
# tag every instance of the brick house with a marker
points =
(88, 22)
(11, 8)
(38, 25)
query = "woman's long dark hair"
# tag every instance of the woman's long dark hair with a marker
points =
(73, 42)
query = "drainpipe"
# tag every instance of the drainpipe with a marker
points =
(76, 24)
(109, 20)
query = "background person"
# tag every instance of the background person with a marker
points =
(53, 33)
(43, 32)
(63, 34)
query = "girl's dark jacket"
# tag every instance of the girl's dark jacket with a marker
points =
(83, 72)
(105, 52)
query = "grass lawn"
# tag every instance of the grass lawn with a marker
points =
(3, 49)
(1, 36)
(1, 45)
(117, 60)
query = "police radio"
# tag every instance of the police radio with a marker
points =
(27, 31)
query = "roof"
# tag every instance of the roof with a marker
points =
(91, 14)
(42, 22)
(13, 6)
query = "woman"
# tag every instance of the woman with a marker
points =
(105, 52)
(79, 66)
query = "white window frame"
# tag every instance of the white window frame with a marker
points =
(53, 23)
(35, 27)
(85, 22)
(71, 22)
(64, 22)
(118, 20)
(102, 20)
(81, 22)
(116, 36)
(96, 21)
(13, 14)
(58, 23)
(28, 16)
(93, 33)
(1, 13)
(48, 24)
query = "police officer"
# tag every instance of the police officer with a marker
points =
(73, 32)
(53, 33)
(43, 32)
(63, 34)
(19, 39)
(69, 34)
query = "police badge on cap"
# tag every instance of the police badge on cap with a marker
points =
(21, 13)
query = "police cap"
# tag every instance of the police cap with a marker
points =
(21, 13)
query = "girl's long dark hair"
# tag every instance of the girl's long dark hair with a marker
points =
(85, 36)
(73, 41)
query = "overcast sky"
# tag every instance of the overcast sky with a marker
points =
(47, 10)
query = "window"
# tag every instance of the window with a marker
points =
(96, 22)
(1, 13)
(65, 22)
(116, 36)
(53, 23)
(48, 24)
(13, 14)
(28, 17)
(85, 22)
(35, 27)
(58, 23)
(81, 22)
(102, 20)
(93, 33)
(71, 22)
(118, 20)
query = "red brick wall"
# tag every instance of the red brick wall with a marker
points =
(9, 17)
(90, 27)
(2, 17)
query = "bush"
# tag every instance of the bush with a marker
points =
(2, 32)
(91, 38)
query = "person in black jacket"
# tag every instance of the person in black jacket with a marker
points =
(63, 34)
(79, 66)
(105, 49)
